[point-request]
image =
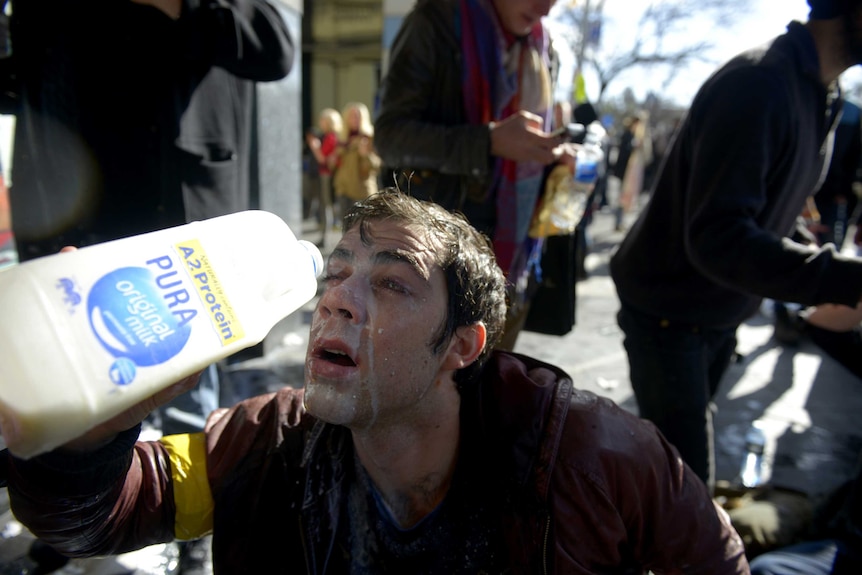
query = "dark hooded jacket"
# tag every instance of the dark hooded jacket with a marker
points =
(585, 487)
(712, 241)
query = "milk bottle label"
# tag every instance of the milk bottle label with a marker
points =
(143, 315)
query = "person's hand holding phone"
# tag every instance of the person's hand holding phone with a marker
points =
(520, 137)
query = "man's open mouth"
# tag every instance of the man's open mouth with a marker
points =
(337, 357)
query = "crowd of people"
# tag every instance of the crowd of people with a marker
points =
(419, 441)
(346, 160)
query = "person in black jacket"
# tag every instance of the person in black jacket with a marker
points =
(133, 115)
(712, 240)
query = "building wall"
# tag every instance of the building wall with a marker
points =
(345, 53)
(278, 156)
(334, 84)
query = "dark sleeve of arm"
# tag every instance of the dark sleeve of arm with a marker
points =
(672, 524)
(404, 136)
(634, 502)
(111, 501)
(680, 528)
(248, 38)
(733, 173)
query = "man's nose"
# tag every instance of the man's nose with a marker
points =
(345, 300)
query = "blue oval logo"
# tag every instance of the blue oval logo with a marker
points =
(131, 319)
(123, 371)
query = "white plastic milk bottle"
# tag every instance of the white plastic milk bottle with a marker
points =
(86, 334)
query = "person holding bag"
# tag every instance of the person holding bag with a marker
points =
(466, 110)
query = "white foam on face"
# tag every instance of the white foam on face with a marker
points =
(373, 391)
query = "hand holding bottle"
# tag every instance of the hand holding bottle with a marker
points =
(104, 433)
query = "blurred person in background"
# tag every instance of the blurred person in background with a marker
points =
(634, 151)
(357, 160)
(466, 110)
(585, 113)
(325, 151)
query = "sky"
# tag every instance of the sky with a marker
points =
(764, 20)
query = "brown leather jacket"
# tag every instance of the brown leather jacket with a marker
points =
(586, 487)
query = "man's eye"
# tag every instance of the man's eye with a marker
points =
(392, 285)
(330, 277)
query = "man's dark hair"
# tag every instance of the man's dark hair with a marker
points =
(475, 283)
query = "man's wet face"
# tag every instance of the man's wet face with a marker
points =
(370, 358)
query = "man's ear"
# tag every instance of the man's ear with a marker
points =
(467, 343)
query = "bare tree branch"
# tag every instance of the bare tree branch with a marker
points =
(656, 42)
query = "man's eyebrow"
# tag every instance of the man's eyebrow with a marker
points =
(340, 253)
(404, 257)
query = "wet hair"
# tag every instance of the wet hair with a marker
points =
(475, 283)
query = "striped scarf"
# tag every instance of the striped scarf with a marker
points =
(498, 82)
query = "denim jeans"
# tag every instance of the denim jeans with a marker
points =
(826, 557)
(675, 371)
